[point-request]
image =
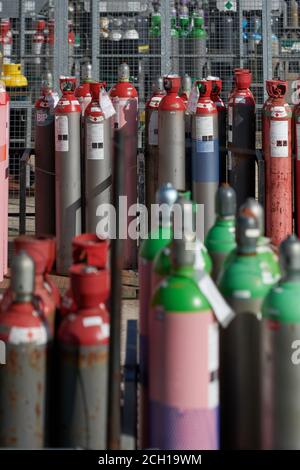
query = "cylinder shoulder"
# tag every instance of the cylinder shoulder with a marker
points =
(221, 237)
(179, 294)
(282, 303)
(156, 240)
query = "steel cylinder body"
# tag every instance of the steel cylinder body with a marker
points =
(242, 286)
(171, 136)
(45, 164)
(222, 116)
(277, 149)
(125, 100)
(220, 241)
(205, 153)
(183, 368)
(83, 345)
(98, 161)
(241, 138)
(23, 378)
(151, 147)
(67, 174)
(4, 158)
(296, 124)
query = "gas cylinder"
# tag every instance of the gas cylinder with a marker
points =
(97, 157)
(171, 135)
(67, 173)
(82, 92)
(45, 159)
(184, 387)
(184, 95)
(242, 284)
(277, 150)
(38, 250)
(23, 377)
(198, 38)
(4, 161)
(86, 249)
(174, 41)
(234, 87)
(220, 240)
(296, 132)
(151, 141)
(241, 138)
(162, 262)
(50, 242)
(267, 256)
(83, 352)
(280, 354)
(157, 239)
(38, 41)
(6, 40)
(205, 152)
(125, 100)
(216, 98)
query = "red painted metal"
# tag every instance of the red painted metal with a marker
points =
(91, 291)
(68, 102)
(296, 130)
(277, 149)
(38, 249)
(4, 157)
(90, 250)
(172, 101)
(221, 107)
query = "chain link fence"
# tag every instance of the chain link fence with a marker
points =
(198, 37)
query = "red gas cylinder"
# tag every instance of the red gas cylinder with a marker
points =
(23, 377)
(4, 155)
(90, 250)
(235, 72)
(221, 107)
(125, 100)
(241, 138)
(38, 250)
(151, 141)
(38, 41)
(83, 339)
(277, 149)
(51, 253)
(296, 125)
(6, 40)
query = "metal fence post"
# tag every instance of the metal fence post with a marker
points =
(165, 37)
(267, 41)
(95, 37)
(61, 56)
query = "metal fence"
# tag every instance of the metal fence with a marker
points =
(198, 37)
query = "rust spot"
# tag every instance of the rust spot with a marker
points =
(37, 410)
(36, 358)
(12, 396)
(92, 358)
(39, 387)
(12, 360)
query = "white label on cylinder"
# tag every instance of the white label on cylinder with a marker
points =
(213, 365)
(230, 121)
(252, 232)
(298, 140)
(205, 128)
(153, 129)
(279, 138)
(92, 321)
(222, 310)
(242, 294)
(41, 116)
(106, 104)
(37, 47)
(155, 100)
(61, 134)
(94, 141)
(35, 335)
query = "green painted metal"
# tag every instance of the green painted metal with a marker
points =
(282, 302)
(158, 239)
(180, 293)
(221, 237)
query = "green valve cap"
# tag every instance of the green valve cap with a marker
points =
(226, 201)
(290, 255)
(247, 232)
(257, 209)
